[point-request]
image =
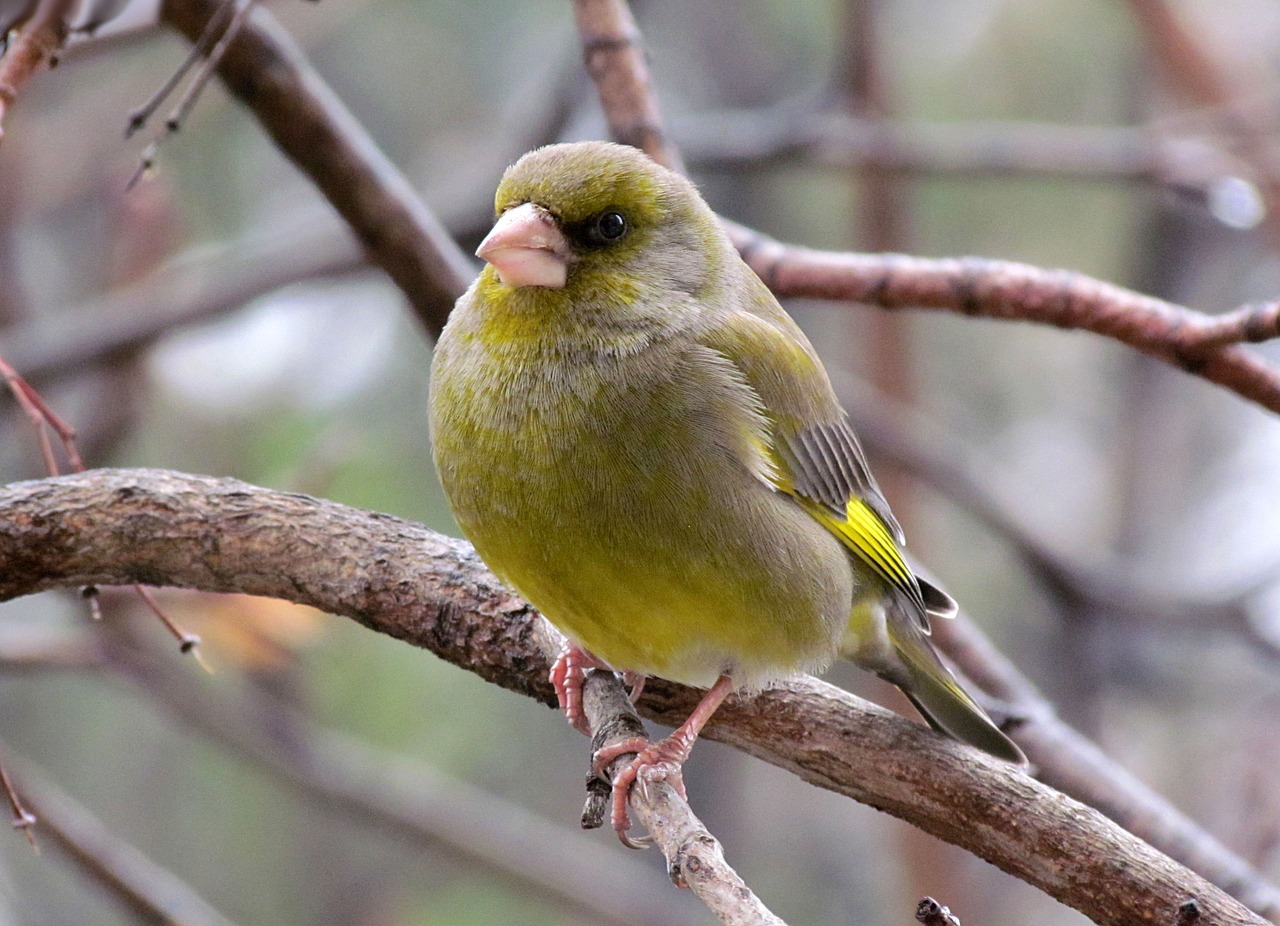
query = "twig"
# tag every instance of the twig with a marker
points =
(613, 53)
(43, 419)
(139, 885)
(265, 68)
(23, 819)
(116, 526)
(694, 857)
(189, 98)
(139, 117)
(38, 41)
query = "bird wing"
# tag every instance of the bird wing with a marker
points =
(815, 455)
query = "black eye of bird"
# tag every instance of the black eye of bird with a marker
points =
(611, 226)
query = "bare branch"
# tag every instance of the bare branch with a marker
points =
(138, 884)
(694, 857)
(38, 41)
(1186, 339)
(614, 55)
(270, 74)
(799, 131)
(156, 527)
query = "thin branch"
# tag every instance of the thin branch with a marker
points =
(43, 419)
(798, 131)
(138, 884)
(1184, 338)
(38, 41)
(614, 55)
(694, 857)
(265, 69)
(124, 526)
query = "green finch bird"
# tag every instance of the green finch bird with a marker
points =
(638, 438)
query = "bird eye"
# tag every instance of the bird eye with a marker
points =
(611, 226)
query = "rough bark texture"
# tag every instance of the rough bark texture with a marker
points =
(122, 526)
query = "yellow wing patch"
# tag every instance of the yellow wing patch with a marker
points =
(862, 531)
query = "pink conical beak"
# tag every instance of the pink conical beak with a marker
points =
(527, 248)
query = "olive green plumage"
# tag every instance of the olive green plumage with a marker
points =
(653, 455)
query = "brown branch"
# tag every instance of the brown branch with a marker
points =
(38, 41)
(694, 857)
(1184, 338)
(138, 884)
(798, 131)
(539, 858)
(614, 55)
(266, 70)
(155, 527)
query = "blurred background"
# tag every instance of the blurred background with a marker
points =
(219, 319)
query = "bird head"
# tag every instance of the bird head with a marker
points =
(598, 226)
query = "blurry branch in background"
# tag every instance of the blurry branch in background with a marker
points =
(802, 132)
(1202, 79)
(140, 886)
(266, 70)
(206, 283)
(1062, 757)
(537, 857)
(41, 30)
(945, 462)
(122, 526)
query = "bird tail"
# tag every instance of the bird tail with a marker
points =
(938, 696)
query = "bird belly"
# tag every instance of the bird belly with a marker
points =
(632, 527)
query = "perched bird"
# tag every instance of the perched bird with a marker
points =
(637, 437)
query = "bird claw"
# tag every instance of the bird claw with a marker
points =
(660, 761)
(568, 675)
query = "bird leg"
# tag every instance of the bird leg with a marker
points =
(568, 673)
(658, 761)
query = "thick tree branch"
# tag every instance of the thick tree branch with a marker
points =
(270, 74)
(123, 526)
(537, 857)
